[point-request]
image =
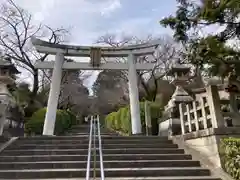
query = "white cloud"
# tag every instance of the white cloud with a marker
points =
(113, 5)
(81, 15)
(39, 9)
(87, 19)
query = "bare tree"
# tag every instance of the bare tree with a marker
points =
(73, 94)
(166, 54)
(16, 30)
(110, 91)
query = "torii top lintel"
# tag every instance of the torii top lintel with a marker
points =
(85, 51)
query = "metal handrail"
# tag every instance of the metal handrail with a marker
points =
(94, 148)
(89, 150)
(94, 121)
(100, 149)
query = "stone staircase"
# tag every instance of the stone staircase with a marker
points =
(127, 158)
(84, 130)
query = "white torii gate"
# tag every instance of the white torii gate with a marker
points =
(95, 53)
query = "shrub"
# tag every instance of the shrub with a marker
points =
(230, 156)
(73, 118)
(124, 117)
(110, 120)
(63, 122)
(35, 123)
(121, 120)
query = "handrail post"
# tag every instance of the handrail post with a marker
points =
(89, 151)
(100, 149)
(94, 148)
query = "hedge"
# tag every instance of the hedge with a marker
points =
(230, 156)
(64, 120)
(121, 120)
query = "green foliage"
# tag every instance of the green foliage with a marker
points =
(25, 100)
(109, 120)
(211, 50)
(73, 118)
(121, 120)
(215, 54)
(230, 156)
(64, 120)
(192, 14)
(35, 124)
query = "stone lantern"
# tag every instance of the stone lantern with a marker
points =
(7, 77)
(180, 74)
(180, 78)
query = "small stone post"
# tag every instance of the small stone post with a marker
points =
(214, 106)
(148, 119)
(234, 109)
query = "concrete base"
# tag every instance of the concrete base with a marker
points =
(199, 156)
(169, 127)
(149, 131)
(141, 134)
(207, 142)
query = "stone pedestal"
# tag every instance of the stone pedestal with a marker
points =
(148, 119)
(4, 103)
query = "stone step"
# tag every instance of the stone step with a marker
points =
(106, 157)
(82, 133)
(76, 134)
(85, 151)
(115, 137)
(81, 126)
(141, 178)
(112, 172)
(49, 138)
(105, 141)
(107, 164)
(85, 146)
(85, 131)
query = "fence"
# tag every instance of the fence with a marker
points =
(206, 111)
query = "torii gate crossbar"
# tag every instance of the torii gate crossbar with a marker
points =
(60, 50)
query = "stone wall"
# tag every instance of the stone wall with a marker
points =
(207, 142)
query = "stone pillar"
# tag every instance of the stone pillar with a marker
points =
(234, 109)
(2, 122)
(204, 114)
(189, 118)
(148, 120)
(214, 106)
(50, 118)
(195, 115)
(182, 118)
(133, 95)
(4, 103)
(233, 102)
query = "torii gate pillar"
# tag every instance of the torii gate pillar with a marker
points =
(134, 95)
(50, 117)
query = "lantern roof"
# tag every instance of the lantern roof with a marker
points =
(6, 63)
(178, 68)
(180, 96)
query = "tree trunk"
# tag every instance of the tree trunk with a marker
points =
(35, 83)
